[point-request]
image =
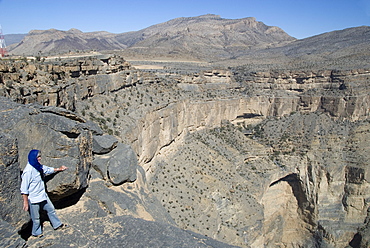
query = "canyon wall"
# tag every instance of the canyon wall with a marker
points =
(256, 95)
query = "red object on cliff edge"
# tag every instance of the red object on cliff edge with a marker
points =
(2, 44)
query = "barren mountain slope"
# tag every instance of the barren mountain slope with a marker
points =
(213, 39)
(200, 36)
(342, 49)
(54, 41)
(205, 37)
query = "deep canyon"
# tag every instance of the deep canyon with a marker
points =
(251, 159)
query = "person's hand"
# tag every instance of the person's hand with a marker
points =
(25, 205)
(62, 168)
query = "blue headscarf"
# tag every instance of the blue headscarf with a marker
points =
(32, 159)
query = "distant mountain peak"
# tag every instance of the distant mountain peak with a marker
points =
(210, 16)
(74, 30)
(37, 32)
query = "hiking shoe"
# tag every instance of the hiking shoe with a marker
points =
(62, 226)
(38, 236)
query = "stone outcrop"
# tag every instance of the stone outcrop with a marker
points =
(340, 93)
(57, 82)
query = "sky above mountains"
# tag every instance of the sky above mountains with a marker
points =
(299, 18)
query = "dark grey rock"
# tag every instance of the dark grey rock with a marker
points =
(62, 142)
(11, 200)
(12, 113)
(62, 136)
(123, 231)
(104, 144)
(9, 236)
(122, 165)
(100, 165)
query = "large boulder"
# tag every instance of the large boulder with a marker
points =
(118, 166)
(63, 137)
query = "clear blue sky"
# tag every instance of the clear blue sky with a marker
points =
(299, 18)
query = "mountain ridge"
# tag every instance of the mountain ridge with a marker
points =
(212, 39)
(188, 33)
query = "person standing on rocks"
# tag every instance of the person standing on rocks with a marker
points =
(34, 194)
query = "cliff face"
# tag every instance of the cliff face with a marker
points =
(289, 166)
(301, 184)
(265, 190)
(198, 101)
